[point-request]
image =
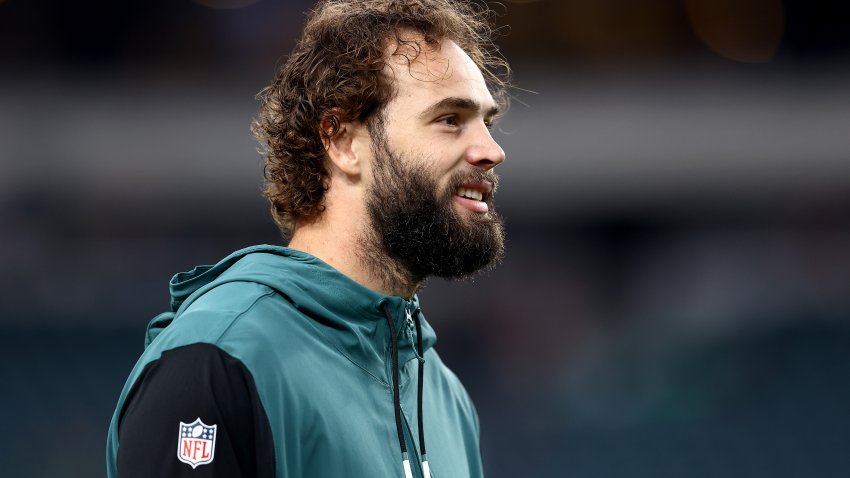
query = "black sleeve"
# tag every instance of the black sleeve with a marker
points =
(194, 412)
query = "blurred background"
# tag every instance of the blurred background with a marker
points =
(676, 296)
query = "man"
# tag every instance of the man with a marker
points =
(316, 360)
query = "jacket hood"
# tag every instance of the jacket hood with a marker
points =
(312, 286)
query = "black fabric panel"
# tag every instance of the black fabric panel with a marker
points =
(186, 383)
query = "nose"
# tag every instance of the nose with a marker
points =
(484, 152)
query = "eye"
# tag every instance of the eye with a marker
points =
(449, 120)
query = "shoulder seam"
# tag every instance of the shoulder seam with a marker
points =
(217, 341)
(272, 292)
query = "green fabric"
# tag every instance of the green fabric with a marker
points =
(318, 347)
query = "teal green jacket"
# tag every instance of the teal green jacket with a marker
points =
(272, 363)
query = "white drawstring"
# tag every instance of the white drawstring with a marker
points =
(407, 472)
(426, 470)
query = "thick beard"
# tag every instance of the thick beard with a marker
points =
(416, 226)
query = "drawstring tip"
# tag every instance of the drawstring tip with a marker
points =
(407, 472)
(426, 470)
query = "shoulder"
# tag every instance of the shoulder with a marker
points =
(444, 380)
(445, 376)
(229, 301)
(249, 321)
(253, 323)
(224, 310)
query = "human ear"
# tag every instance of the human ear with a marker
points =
(340, 141)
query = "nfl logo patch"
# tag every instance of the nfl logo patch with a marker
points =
(196, 443)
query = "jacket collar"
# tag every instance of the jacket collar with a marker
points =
(349, 314)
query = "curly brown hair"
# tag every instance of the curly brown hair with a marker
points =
(336, 74)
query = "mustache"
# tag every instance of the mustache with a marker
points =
(475, 176)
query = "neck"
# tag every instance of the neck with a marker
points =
(385, 270)
(356, 254)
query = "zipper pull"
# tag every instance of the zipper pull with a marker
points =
(411, 326)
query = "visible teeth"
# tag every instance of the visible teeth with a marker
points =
(470, 193)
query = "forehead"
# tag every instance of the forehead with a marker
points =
(423, 75)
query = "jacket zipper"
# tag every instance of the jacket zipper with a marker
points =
(411, 333)
(412, 448)
(413, 452)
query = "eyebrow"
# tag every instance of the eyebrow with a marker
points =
(455, 102)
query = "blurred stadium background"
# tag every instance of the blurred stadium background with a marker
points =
(676, 296)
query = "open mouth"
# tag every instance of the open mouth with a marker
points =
(470, 194)
(474, 196)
